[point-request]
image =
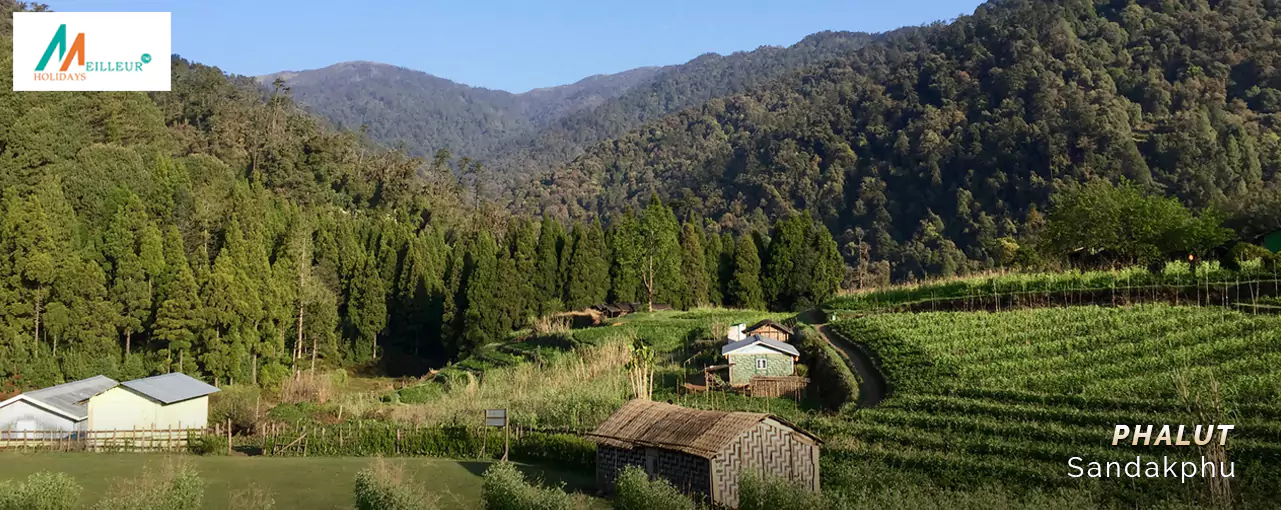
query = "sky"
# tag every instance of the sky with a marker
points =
(512, 45)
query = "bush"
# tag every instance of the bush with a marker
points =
(250, 498)
(176, 488)
(635, 491)
(562, 450)
(505, 489)
(1244, 252)
(756, 492)
(382, 487)
(207, 444)
(41, 491)
(237, 403)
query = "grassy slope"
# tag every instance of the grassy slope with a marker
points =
(1006, 398)
(294, 483)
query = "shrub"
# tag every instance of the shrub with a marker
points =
(237, 403)
(207, 444)
(756, 492)
(1244, 252)
(41, 491)
(505, 489)
(382, 486)
(635, 491)
(178, 487)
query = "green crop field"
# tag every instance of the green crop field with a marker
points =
(1004, 399)
(294, 483)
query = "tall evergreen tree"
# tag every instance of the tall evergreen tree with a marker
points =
(712, 264)
(588, 269)
(693, 259)
(547, 276)
(745, 284)
(625, 264)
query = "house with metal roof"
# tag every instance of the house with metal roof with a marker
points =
(162, 402)
(56, 408)
(703, 453)
(757, 355)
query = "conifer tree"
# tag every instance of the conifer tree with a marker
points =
(547, 276)
(524, 249)
(745, 285)
(693, 267)
(481, 325)
(712, 265)
(588, 271)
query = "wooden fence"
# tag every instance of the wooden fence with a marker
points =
(791, 386)
(134, 440)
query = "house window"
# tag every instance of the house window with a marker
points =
(760, 363)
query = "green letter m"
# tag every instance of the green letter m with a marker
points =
(59, 43)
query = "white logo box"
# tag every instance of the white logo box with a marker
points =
(114, 47)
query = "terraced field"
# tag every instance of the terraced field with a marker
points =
(1007, 398)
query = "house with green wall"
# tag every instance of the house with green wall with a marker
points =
(1271, 241)
(758, 355)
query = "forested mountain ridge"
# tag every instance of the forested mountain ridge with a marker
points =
(426, 113)
(518, 134)
(936, 150)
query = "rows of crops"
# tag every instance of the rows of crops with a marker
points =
(1130, 284)
(1009, 397)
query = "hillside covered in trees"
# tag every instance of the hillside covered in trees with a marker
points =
(518, 134)
(426, 113)
(937, 150)
(221, 231)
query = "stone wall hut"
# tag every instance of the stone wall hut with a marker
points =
(703, 452)
(759, 356)
(770, 329)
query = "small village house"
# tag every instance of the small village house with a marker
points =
(169, 401)
(759, 356)
(701, 452)
(736, 332)
(56, 408)
(770, 329)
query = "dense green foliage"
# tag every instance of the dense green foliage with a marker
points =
(506, 489)
(970, 407)
(937, 150)
(634, 490)
(40, 491)
(382, 487)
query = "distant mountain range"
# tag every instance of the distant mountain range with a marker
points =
(518, 134)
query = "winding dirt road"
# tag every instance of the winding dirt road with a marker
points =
(872, 387)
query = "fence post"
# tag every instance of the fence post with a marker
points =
(228, 436)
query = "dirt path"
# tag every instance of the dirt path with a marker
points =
(872, 387)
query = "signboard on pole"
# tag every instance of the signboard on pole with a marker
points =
(496, 417)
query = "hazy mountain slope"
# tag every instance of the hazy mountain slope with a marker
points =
(523, 133)
(936, 147)
(427, 113)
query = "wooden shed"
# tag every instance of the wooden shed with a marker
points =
(770, 329)
(703, 452)
(56, 408)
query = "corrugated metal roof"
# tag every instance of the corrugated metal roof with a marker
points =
(672, 427)
(68, 398)
(170, 388)
(782, 347)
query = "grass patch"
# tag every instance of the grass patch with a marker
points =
(292, 482)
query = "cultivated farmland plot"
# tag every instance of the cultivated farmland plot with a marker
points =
(1005, 399)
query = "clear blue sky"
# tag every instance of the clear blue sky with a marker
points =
(512, 45)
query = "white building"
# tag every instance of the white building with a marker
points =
(163, 402)
(57, 408)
